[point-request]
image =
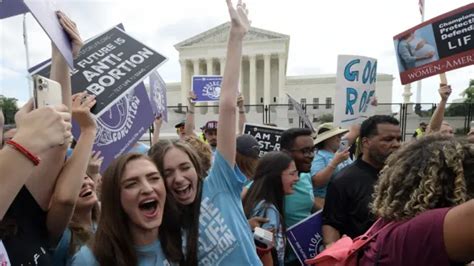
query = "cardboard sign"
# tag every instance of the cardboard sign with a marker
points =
(122, 125)
(207, 88)
(10, 8)
(268, 137)
(301, 113)
(436, 46)
(355, 89)
(158, 96)
(45, 14)
(109, 65)
(306, 237)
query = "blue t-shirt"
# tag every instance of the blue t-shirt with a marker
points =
(274, 223)
(148, 255)
(224, 233)
(298, 205)
(321, 161)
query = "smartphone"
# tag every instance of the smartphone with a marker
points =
(343, 145)
(263, 238)
(46, 92)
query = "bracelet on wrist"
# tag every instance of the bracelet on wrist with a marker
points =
(30, 156)
(332, 166)
(241, 112)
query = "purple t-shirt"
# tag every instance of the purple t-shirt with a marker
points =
(419, 241)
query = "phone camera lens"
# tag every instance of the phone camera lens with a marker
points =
(40, 88)
(40, 81)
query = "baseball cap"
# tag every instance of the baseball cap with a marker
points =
(248, 146)
(180, 124)
(210, 125)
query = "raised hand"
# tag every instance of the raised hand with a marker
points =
(81, 111)
(95, 162)
(43, 128)
(240, 101)
(71, 29)
(444, 91)
(240, 24)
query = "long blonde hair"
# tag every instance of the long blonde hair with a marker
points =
(423, 175)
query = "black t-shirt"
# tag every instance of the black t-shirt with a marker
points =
(347, 200)
(29, 243)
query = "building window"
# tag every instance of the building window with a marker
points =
(290, 120)
(290, 106)
(328, 103)
(315, 103)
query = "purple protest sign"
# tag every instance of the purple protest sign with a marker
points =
(306, 238)
(45, 13)
(158, 95)
(121, 126)
(10, 8)
(207, 88)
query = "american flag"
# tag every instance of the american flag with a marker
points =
(421, 5)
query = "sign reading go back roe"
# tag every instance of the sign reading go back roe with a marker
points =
(355, 89)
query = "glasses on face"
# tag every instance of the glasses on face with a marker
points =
(308, 152)
(179, 129)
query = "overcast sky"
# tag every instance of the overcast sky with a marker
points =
(319, 31)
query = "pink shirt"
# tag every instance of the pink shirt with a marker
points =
(418, 241)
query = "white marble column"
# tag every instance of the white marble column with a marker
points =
(185, 81)
(281, 78)
(222, 65)
(253, 79)
(266, 79)
(196, 67)
(209, 66)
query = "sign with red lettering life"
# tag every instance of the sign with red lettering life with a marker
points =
(436, 46)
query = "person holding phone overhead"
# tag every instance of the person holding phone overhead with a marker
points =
(332, 155)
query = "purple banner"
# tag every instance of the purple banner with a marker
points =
(207, 88)
(121, 126)
(306, 238)
(10, 8)
(158, 96)
(45, 13)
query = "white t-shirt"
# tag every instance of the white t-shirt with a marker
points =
(4, 261)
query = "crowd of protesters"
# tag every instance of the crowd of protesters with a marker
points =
(196, 200)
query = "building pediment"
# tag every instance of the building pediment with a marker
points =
(220, 34)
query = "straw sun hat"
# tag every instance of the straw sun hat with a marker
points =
(330, 131)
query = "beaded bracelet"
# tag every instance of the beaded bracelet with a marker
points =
(33, 158)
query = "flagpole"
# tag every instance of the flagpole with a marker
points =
(418, 84)
(25, 41)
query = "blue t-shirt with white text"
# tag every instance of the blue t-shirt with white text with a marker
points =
(224, 233)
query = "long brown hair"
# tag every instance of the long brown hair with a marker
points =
(188, 218)
(112, 244)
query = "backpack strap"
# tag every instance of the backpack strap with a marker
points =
(364, 239)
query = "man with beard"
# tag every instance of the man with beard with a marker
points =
(346, 211)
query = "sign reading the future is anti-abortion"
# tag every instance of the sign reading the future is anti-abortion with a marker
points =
(122, 125)
(355, 89)
(306, 238)
(436, 46)
(268, 137)
(109, 65)
(207, 88)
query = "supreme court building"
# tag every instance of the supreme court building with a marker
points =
(263, 79)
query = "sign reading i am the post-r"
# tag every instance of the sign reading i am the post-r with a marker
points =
(109, 65)
(268, 137)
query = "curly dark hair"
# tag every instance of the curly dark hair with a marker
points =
(425, 174)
